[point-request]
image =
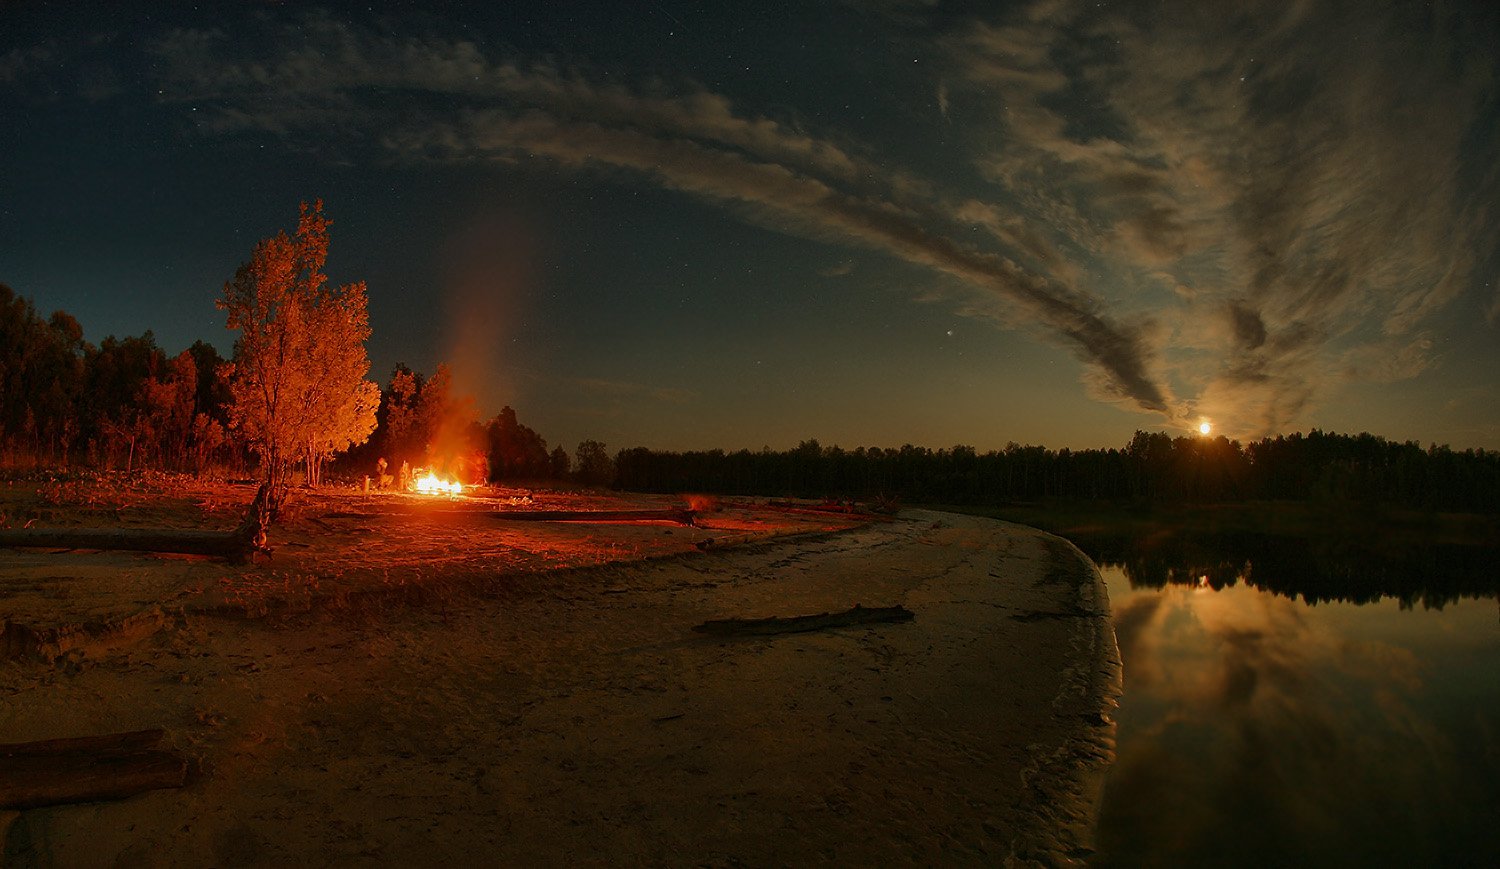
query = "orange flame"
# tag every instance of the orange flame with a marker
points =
(431, 485)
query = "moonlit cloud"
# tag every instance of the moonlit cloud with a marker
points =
(619, 389)
(1303, 175)
(1228, 214)
(20, 63)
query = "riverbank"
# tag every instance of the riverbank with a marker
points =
(576, 717)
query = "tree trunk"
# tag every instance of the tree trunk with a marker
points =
(109, 767)
(277, 487)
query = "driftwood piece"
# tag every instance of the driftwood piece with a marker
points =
(236, 546)
(797, 507)
(797, 624)
(86, 769)
(682, 516)
(134, 740)
(186, 542)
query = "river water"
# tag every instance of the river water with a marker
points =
(1294, 702)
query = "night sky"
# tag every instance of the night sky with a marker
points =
(688, 225)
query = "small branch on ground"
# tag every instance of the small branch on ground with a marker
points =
(680, 516)
(858, 615)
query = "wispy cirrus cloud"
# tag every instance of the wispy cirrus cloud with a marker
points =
(686, 139)
(624, 389)
(1218, 213)
(20, 63)
(1307, 180)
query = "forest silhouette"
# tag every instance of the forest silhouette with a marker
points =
(127, 404)
(1315, 569)
(1154, 468)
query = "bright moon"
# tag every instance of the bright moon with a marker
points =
(1204, 428)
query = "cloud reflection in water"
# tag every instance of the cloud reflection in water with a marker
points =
(1258, 730)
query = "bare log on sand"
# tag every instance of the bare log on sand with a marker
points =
(236, 546)
(799, 507)
(682, 516)
(86, 769)
(797, 624)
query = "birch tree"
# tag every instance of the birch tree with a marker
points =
(297, 379)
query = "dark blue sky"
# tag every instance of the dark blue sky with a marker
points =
(694, 226)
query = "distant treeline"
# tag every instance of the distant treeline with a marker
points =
(1316, 569)
(1153, 467)
(127, 404)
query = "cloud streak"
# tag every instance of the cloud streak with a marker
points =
(692, 142)
(1218, 214)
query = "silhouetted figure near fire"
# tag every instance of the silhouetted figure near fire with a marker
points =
(405, 480)
(382, 479)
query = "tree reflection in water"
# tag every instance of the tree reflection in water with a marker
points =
(1302, 702)
(1315, 570)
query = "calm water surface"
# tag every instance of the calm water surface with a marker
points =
(1298, 703)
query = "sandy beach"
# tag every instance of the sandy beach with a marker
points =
(551, 717)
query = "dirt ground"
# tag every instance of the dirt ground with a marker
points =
(526, 715)
(332, 545)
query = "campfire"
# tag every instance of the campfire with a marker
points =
(432, 484)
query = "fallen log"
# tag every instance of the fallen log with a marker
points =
(87, 769)
(798, 507)
(236, 546)
(186, 542)
(134, 740)
(858, 615)
(682, 516)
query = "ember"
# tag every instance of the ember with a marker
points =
(432, 485)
